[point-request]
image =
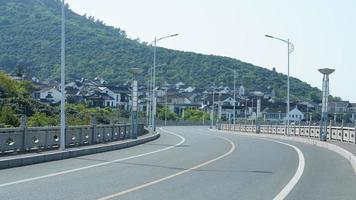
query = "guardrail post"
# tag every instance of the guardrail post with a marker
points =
(81, 132)
(23, 125)
(93, 129)
(342, 130)
(112, 130)
(330, 130)
(354, 141)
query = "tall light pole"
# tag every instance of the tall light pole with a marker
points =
(154, 103)
(324, 111)
(63, 119)
(235, 76)
(290, 50)
(150, 96)
(212, 110)
(166, 109)
(234, 120)
(148, 106)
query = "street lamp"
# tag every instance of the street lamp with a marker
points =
(235, 76)
(63, 119)
(290, 50)
(149, 99)
(154, 105)
(166, 109)
(212, 109)
(324, 111)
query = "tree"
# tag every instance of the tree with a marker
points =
(195, 115)
(164, 113)
(7, 86)
(95, 49)
(8, 117)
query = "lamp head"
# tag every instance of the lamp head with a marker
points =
(326, 71)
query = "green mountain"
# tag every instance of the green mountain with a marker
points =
(30, 44)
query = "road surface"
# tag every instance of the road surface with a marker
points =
(189, 163)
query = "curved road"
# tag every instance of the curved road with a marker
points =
(190, 163)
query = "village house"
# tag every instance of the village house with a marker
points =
(49, 95)
(338, 107)
(100, 100)
(295, 115)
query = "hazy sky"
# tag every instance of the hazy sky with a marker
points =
(323, 32)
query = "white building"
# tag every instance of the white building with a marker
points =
(112, 94)
(189, 89)
(242, 91)
(295, 115)
(119, 94)
(49, 94)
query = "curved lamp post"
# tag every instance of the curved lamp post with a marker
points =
(290, 50)
(154, 103)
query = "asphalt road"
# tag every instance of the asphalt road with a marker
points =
(189, 163)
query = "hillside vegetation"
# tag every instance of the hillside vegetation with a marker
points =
(30, 43)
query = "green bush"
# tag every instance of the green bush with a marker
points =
(41, 119)
(195, 115)
(8, 117)
(165, 112)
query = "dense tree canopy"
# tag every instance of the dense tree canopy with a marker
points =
(30, 43)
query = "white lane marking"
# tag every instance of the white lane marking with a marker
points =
(232, 149)
(298, 174)
(95, 165)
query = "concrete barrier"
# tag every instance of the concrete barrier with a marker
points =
(29, 139)
(337, 149)
(33, 158)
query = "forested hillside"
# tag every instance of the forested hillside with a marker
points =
(30, 44)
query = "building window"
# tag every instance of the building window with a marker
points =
(37, 95)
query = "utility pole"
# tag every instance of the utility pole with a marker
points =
(212, 110)
(63, 118)
(235, 74)
(166, 110)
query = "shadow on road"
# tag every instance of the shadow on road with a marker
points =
(167, 145)
(177, 168)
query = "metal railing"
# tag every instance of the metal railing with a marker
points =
(336, 133)
(27, 139)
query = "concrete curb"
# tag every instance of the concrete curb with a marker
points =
(332, 147)
(22, 160)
